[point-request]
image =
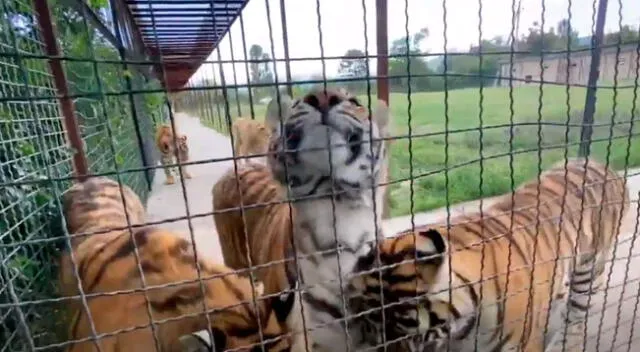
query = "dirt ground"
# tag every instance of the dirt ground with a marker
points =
(619, 302)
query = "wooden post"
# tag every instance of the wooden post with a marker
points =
(383, 81)
(80, 165)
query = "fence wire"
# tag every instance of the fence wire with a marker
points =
(35, 152)
(466, 125)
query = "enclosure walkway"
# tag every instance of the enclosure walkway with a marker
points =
(168, 202)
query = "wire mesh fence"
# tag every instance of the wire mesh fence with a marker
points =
(282, 245)
(38, 159)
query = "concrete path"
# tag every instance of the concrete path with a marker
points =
(168, 202)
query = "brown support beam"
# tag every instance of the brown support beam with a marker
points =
(285, 41)
(80, 165)
(383, 50)
(383, 81)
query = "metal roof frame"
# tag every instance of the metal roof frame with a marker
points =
(181, 34)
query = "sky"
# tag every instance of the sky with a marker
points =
(343, 27)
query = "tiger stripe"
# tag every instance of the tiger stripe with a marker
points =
(525, 247)
(109, 265)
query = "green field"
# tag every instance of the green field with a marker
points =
(430, 156)
(429, 153)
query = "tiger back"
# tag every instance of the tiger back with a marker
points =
(117, 306)
(250, 137)
(327, 149)
(508, 264)
(95, 211)
(265, 226)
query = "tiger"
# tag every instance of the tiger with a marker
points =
(250, 138)
(384, 173)
(330, 229)
(168, 153)
(534, 260)
(119, 304)
(96, 205)
(268, 227)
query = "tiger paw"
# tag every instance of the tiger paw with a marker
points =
(186, 174)
(170, 180)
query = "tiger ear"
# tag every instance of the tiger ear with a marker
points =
(278, 112)
(200, 341)
(430, 243)
(283, 303)
(381, 117)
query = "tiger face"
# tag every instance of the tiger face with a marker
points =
(299, 152)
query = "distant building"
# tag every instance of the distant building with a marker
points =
(527, 70)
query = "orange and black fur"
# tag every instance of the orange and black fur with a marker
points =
(250, 138)
(268, 226)
(504, 265)
(168, 153)
(112, 262)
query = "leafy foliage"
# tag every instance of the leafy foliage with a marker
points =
(260, 70)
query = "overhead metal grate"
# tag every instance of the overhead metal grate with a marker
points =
(182, 33)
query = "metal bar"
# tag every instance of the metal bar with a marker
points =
(285, 42)
(219, 38)
(594, 72)
(161, 34)
(184, 2)
(47, 31)
(178, 25)
(190, 20)
(130, 34)
(204, 14)
(180, 11)
(235, 76)
(91, 16)
(179, 47)
(383, 81)
(383, 50)
(132, 101)
(177, 14)
(190, 29)
(246, 67)
(175, 46)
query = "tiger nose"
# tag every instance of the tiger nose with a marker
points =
(293, 137)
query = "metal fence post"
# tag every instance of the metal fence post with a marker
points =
(80, 165)
(383, 80)
(134, 103)
(594, 73)
(383, 50)
(285, 43)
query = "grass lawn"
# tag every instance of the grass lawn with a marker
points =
(469, 151)
(425, 156)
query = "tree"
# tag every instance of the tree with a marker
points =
(260, 68)
(409, 64)
(563, 27)
(255, 54)
(354, 68)
(626, 35)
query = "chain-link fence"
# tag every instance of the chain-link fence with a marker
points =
(467, 125)
(37, 157)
